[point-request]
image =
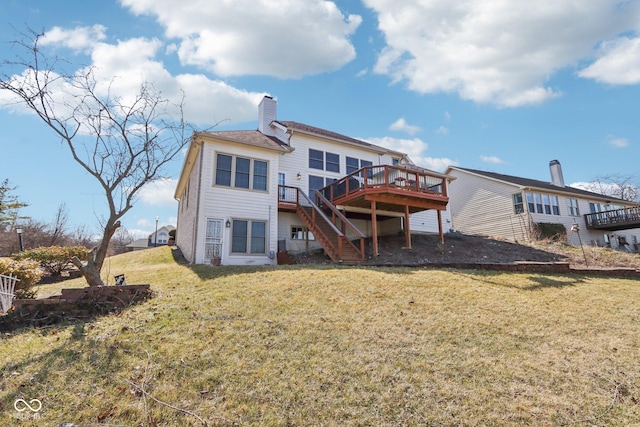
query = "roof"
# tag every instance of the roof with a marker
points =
(248, 137)
(139, 243)
(543, 185)
(301, 127)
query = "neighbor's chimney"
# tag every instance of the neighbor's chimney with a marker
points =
(556, 173)
(266, 115)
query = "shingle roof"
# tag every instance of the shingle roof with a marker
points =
(249, 137)
(543, 185)
(329, 134)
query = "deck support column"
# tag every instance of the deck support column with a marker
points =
(440, 226)
(374, 229)
(407, 227)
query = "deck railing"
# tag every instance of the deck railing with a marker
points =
(386, 176)
(614, 217)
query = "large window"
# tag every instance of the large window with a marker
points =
(249, 237)
(316, 159)
(333, 162)
(241, 172)
(324, 161)
(542, 203)
(572, 207)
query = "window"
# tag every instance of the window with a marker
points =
(518, 204)
(572, 206)
(241, 172)
(364, 164)
(353, 165)
(316, 159)
(538, 197)
(301, 233)
(223, 170)
(333, 162)
(315, 183)
(543, 203)
(547, 204)
(259, 175)
(555, 206)
(395, 161)
(530, 204)
(249, 237)
(324, 161)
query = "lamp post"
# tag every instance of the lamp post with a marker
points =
(155, 239)
(576, 229)
(21, 245)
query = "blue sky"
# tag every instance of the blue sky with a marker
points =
(499, 86)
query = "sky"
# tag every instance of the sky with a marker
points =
(503, 85)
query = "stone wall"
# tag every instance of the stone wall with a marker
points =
(78, 303)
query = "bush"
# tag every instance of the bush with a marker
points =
(54, 259)
(28, 273)
(551, 231)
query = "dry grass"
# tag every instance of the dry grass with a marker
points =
(337, 347)
(595, 256)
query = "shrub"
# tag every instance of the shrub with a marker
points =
(28, 273)
(551, 231)
(54, 259)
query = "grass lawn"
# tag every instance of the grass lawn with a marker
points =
(335, 346)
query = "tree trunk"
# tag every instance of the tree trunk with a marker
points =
(95, 258)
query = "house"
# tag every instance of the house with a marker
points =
(509, 207)
(246, 195)
(157, 238)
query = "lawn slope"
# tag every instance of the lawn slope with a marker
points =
(335, 346)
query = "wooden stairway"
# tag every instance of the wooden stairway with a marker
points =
(335, 233)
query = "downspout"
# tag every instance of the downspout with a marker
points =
(199, 193)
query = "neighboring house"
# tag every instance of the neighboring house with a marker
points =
(503, 206)
(246, 195)
(152, 241)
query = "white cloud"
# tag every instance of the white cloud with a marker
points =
(492, 159)
(121, 67)
(442, 130)
(80, 38)
(281, 38)
(402, 125)
(416, 149)
(159, 193)
(618, 142)
(618, 62)
(495, 52)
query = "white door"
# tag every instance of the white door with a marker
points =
(213, 239)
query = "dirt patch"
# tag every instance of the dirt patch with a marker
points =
(467, 249)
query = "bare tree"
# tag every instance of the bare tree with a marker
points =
(58, 228)
(121, 141)
(625, 187)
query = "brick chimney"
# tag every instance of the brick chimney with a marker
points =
(556, 173)
(266, 115)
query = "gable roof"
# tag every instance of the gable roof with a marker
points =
(248, 137)
(312, 130)
(542, 185)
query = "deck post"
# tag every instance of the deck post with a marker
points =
(440, 227)
(374, 229)
(407, 228)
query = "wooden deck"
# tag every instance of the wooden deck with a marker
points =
(614, 220)
(392, 188)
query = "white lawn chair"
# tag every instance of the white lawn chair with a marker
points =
(7, 286)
